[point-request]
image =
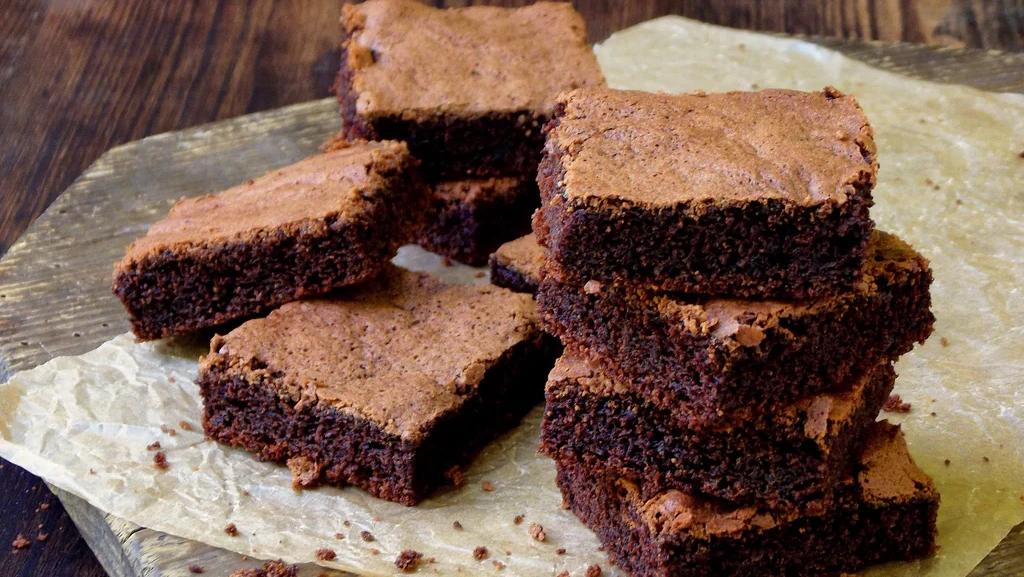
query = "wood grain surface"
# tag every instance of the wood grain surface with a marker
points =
(77, 78)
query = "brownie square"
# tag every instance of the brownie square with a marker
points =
(516, 265)
(391, 386)
(748, 194)
(722, 358)
(469, 89)
(470, 219)
(792, 457)
(331, 220)
(886, 514)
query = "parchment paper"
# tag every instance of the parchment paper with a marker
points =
(951, 183)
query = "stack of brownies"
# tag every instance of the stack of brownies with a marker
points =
(730, 318)
(469, 90)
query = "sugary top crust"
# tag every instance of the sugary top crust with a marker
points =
(337, 184)
(399, 351)
(743, 323)
(820, 417)
(660, 150)
(524, 255)
(410, 59)
(888, 476)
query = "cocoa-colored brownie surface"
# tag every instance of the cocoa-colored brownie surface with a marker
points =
(886, 514)
(469, 89)
(793, 457)
(470, 219)
(331, 220)
(516, 265)
(386, 386)
(717, 360)
(742, 193)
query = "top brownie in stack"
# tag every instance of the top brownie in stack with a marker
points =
(749, 194)
(331, 220)
(469, 89)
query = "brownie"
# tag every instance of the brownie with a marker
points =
(389, 386)
(725, 358)
(886, 514)
(331, 220)
(749, 194)
(470, 219)
(516, 265)
(469, 89)
(792, 457)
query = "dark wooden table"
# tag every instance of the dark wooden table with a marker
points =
(77, 78)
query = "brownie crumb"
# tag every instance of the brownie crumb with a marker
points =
(346, 523)
(231, 530)
(42, 536)
(563, 574)
(305, 472)
(446, 261)
(160, 461)
(457, 526)
(456, 476)
(946, 462)
(517, 519)
(498, 564)
(91, 472)
(984, 459)
(185, 426)
(339, 536)
(367, 536)
(20, 542)
(593, 571)
(933, 413)
(508, 553)
(537, 532)
(269, 569)
(480, 553)
(487, 486)
(376, 519)
(168, 431)
(928, 181)
(196, 569)
(560, 551)
(1022, 154)
(374, 551)
(896, 405)
(480, 274)
(325, 554)
(154, 447)
(408, 560)
(944, 342)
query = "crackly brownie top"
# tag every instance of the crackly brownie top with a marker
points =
(819, 417)
(744, 323)
(399, 351)
(523, 255)
(887, 476)
(473, 190)
(408, 58)
(336, 184)
(661, 150)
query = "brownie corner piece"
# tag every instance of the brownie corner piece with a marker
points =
(888, 514)
(516, 265)
(746, 194)
(469, 89)
(469, 219)
(331, 220)
(387, 386)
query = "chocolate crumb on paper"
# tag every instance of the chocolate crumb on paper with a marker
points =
(196, 569)
(168, 431)
(153, 447)
(895, 405)
(946, 462)
(374, 551)
(487, 486)
(339, 536)
(325, 554)
(457, 526)
(231, 529)
(367, 536)
(20, 542)
(498, 564)
(944, 342)
(593, 571)
(305, 472)
(269, 569)
(517, 519)
(560, 551)
(563, 574)
(160, 461)
(480, 553)
(408, 560)
(537, 532)
(184, 425)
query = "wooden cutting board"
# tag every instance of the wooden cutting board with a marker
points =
(55, 294)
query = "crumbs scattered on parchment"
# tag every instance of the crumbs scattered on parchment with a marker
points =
(20, 542)
(456, 476)
(184, 425)
(895, 405)
(154, 447)
(339, 536)
(160, 461)
(563, 574)
(196, 569)
(269, 569)
(408, 560)
(946, 462)
(560, 551)
(231, 529)
(498, 564)
(480, 553)
(374, 551)
(518, 519)
(325, 554)
(537, 532)
(168, 431)
(487, 486)
(457, 526)
(367, 536)
(944, 342)
(593, 571)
